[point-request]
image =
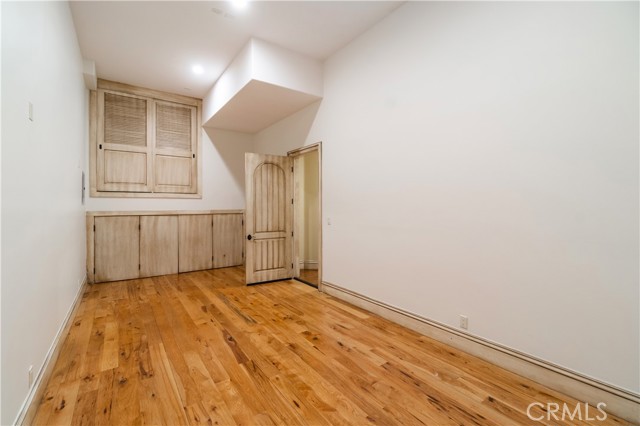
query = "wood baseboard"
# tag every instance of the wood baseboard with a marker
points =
(29, 407)
(619, 402)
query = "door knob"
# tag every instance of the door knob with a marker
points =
(249, 237)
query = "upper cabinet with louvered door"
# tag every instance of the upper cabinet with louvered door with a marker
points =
(124, 140)
(175, 148)
(144, 143)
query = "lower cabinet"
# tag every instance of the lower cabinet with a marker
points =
(117, 251)
(228, 240)
(158, 245)
(123, 245)
(196, 243)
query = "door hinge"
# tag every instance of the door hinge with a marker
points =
(291, 169)
(292, 201)
(242, 221)
(292, 266)
(94, 228)
(292, 234)
(94, 271)
(139, 267)
(139, 227)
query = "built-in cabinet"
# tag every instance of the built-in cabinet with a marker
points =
(228, 247)
(128, 245)
(196, 242)
(158, 245)
(143, 143)
(117, 241)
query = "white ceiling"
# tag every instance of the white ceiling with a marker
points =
(155, 44)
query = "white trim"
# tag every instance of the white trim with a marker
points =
(29, 406)
(308, 264)
(619, 402)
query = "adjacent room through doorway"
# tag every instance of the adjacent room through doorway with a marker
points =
(307, 218)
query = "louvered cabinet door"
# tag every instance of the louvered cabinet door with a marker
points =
(175, 148)
(124, 143)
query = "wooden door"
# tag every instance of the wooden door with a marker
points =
(158, 245)
(195, 245)
(175, 148)
(124, 143)
(268, 180)
(117, 245)
(228, 240)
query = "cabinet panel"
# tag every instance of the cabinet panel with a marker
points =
(195, 242)
(117, 245)
(228, 240)
(158, 245)
(124, 140)
(176, 146)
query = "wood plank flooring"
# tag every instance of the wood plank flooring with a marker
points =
(310, 276)
(202, 348)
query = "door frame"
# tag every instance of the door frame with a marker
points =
(296, 197)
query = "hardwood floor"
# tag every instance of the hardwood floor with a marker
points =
(202, 348)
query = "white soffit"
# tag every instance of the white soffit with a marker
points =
(257, 106)
(263, 85)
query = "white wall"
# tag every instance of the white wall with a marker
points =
(222, 178)
(482, 159)
(43, 250)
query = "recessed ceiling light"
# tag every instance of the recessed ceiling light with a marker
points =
(197, 69)
(240, 4)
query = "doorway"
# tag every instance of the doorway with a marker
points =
(307, 216)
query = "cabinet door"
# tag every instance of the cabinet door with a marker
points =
(228, 240)
(175, 148)
(158, 245)
(195, 242)
(117, 245)
(124, 140)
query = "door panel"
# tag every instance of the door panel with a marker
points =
(195, 242)
(117, 247)
(268, 181)
(228, 240)
(175, 149)
(158, 245)
(124, 141)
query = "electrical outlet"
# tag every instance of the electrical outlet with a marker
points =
(30, 372)
(464, 322)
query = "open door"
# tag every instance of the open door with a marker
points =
(269, 210)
